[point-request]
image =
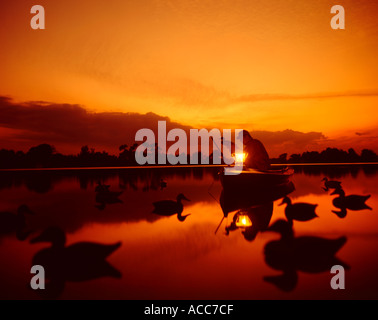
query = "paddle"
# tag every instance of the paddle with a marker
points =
(219, 225)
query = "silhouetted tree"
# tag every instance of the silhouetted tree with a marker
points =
(45, 155)
(127, 155)
(282, 158)
(41, 155)
(368, 156)
(353, 156)
(295, 158)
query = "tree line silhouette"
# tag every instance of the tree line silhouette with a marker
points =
(45, 156)
(329, 155)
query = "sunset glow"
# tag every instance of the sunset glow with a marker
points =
(266, 66)
(164, 152)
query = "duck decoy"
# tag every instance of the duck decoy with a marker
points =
(170, 207)
(10, 222)
(80, 261)
(291, 254)
(163, 184)
(330, 184)
(299, 211)
(351, 202)
(104, 196)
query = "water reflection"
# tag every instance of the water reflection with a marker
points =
(170, 207)
(291, 254)
(351, 202)
(105, 197)
(153, 179)
(161, 252)
(330, 184)
(17, 224)
(163, 184)
(259, 217)
(253, 203)
(298, 211)
(231, 200)
(337, 171)
(78, 262)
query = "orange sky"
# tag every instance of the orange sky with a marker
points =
(261, 65)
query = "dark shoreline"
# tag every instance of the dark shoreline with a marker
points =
(181, 166)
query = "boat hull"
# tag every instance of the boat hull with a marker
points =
(255, 179)
(253, 188)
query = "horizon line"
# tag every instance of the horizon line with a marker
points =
(186, 166)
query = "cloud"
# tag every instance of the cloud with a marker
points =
(69, 126)
(281, 97)
(188, 92)
(362, 133)
(194, 94)
(289, 141)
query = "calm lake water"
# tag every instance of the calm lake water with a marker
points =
(164, 258)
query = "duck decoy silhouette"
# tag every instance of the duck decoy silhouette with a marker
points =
(104, 196)
(163, 184)
(170, 207)
(330, 184)
(299, 211)
(351, 202)
(291, 254)
(80, 261)
(10, 222)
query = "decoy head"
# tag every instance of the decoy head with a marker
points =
(250, 233)
(24, 209)
(338, 191)
(341, 214)
(182, 197)
(285, 200)
(182, 218)
(54, 235)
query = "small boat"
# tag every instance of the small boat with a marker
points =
(242, 199)
(253, 187)
(255, 180)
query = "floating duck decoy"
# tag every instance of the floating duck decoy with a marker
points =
(330, 184)
(170, 207)
(80, 261)
(351, 202)
(104, 196)
(10, 222)
(163, 184)
(292, 254)
(299, 211)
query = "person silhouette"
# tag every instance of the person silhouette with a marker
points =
(257, 156)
